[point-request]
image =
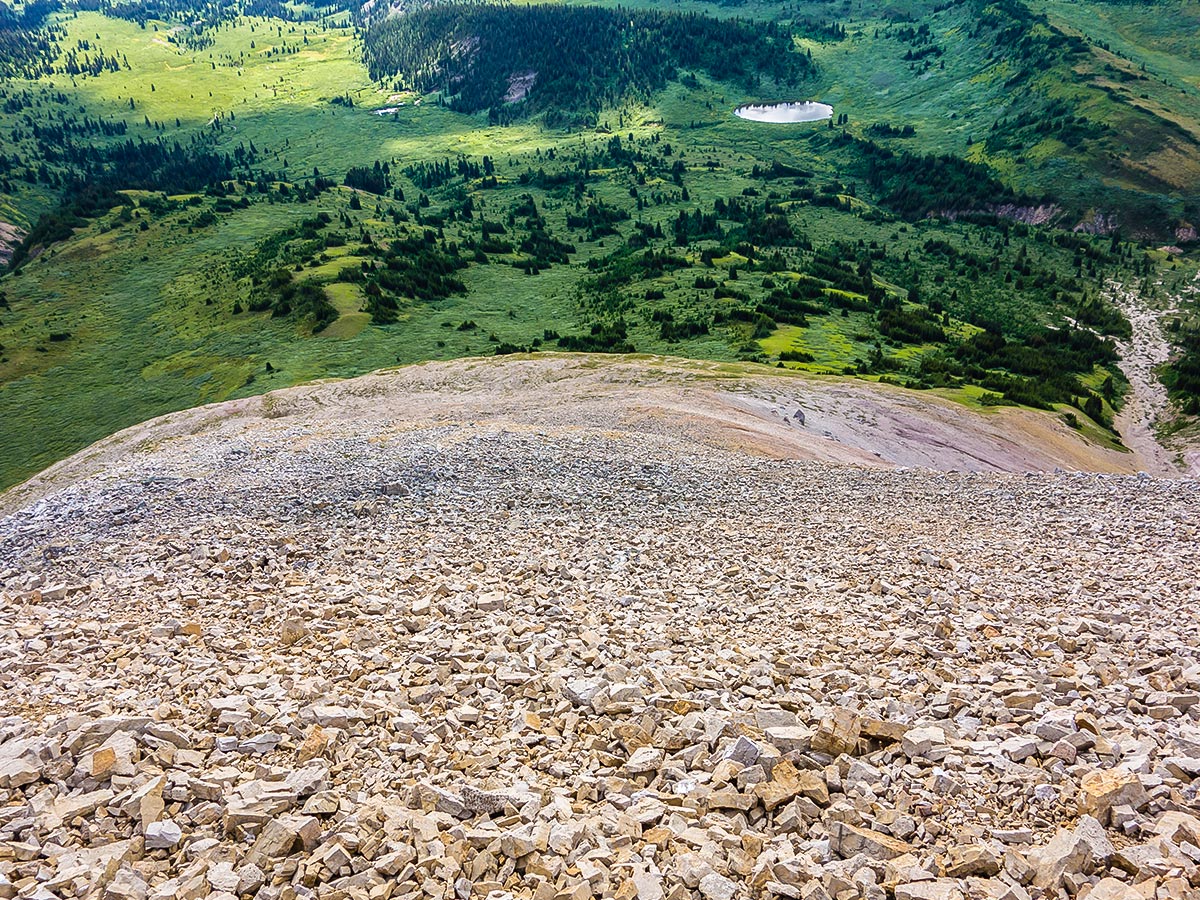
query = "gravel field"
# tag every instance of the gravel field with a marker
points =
(300, 650)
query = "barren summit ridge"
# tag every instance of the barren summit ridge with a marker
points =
(354, 656)
(775, 413)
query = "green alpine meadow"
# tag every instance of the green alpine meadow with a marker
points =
(994, 201)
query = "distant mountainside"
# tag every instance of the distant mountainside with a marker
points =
(578, 61)
(1100, 123)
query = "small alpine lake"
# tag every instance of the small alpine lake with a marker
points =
(784, 113)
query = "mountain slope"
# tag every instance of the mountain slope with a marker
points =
(726, 405)
(525, 656)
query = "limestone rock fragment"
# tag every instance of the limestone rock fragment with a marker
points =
(838, 733)
(1103, 789)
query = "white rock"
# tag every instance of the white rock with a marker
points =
(163, 835)
(715, 886)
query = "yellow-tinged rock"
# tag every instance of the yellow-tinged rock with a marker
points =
(883, 730)
(104, 761)
(787, 782)
(633, 736)
(1113, 889)
(292, 631)
(315, 744)
(531, 719)
(847, 841)
(660, 835)
(838, 733)
(1103, 789)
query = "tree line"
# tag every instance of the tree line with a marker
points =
(569, 61)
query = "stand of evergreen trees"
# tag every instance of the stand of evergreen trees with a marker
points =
(210, 13)
(167, 166)
(915, 185)
(578, 59)
(26, 48)
(1182, 376)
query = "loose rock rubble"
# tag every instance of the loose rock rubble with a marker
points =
(355, 660)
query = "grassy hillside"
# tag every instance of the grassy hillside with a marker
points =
(1040, 94)
(332, 224)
